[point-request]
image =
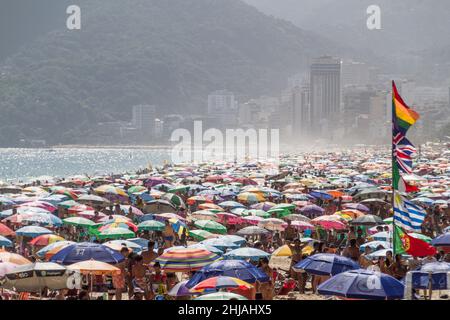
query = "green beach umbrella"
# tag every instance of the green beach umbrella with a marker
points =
(256, 212)
(284, 206)
(280, 212)
(200, 235)
(211, 226)
(151, 225)
(79, 222)
(116, 233)
(180, 188)
(136, 189)
(388, 220)
(68, 204)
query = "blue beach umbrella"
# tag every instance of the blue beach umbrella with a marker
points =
(234, 238)
(86, 251)
(246, 253)
(5, 242)
(434, 271)
(232, 268)
(321, 195)
(442, 240)
(221, 243)
(363, 284)
(207, 247)
(326, 264)
(41, 253)
(32, 231)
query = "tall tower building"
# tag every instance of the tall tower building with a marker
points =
(325, 94)
(301, 111)
(144, 118)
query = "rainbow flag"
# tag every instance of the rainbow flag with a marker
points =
(403, 116)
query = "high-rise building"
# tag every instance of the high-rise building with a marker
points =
(325, 94)
(223, 106)
(355, 73)
(301, 111)
(144, 118)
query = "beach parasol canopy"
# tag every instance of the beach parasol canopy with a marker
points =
(246, 253)
(312, 210)
(180, 290)
(273, 224)
(32, 231)
(363, 284)
(6, 231)
(201, 235)
(5, 242)
(13, 258)
(356, 206)
(86, 251)
(326, 264)
(94, 267)
(151, 225)
(374, 245)
(34, 277)
(45, 239)
(434, 271)
(329, 222)
(442, 241)
(236, 239)
(250, 197)
(93, 200)
(232, 268)
(7, 267)
(221, 243)
(221, 296)
(252, 231)
(185, 259)
(59, 244)
(211, 226)
(367, 220)
(220, 282)
(79, 222)
(116, 233)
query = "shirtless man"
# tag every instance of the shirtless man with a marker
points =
(149, 255)
(138, 273)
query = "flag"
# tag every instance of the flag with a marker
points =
(404, 243)
(403, 116)
(407, 214)
(400, 183)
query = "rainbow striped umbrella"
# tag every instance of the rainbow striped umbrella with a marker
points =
(186, 259)
(221, 282)
(45, 239)
(250, 197)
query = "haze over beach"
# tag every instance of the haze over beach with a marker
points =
(265, 150)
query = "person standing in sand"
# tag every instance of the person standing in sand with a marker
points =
(169, 235)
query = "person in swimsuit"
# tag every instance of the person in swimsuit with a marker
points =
(267, 288)
(138, 274)
(169, 235)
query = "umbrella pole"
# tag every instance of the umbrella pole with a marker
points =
(91, 286)
(430, 286)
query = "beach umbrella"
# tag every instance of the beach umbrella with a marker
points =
(175, 200)
(204, 215)
(329, 222)
(283, 251)
(23, 211)
(210, 206)
(45, 239)
(256, 212)
(154, 181)
(423, 200)
(211, 226)
(116, 233)
(389, 220)
(7, 267)
(228, 205)
(68, 204)
(234, 238)
(263, 206)
(6, 231)
(43, 219)
(252, 231)
(180, 290)
(240, 269)
(185, 259)
(246, 253)
(367, 220)
(221, 296)
(221, 243)
(119, 244)
(220, 282)
(94, 267)
(59, 244)
(32, 231)
(297, 217)
(79, 208)
(382, 236)
(85, 251)
(39, 204)
(301, 225)
(441, 241)
(159, 206)
(6, 256)
(228, 218)
(36, 276)
(5, 242)
(273, 224)
(433, 274)
(79, 222)
(252, 219)
(326, 264)
(374, 245)
(312, 210)
(250, 197)
(93, 200)
(382, 253)
(139, 241)
(200, 235)
(151, 225)
(321, 195)
(363, 284)
(206, 247)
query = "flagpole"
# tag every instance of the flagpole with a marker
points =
(392, 174)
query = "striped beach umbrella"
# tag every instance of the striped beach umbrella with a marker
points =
(45, 239)
(221, 282)
(186, 259)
